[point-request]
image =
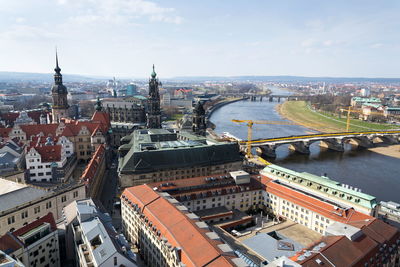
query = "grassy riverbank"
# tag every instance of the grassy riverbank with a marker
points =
(299, 112)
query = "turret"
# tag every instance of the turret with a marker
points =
(153, 103)
(59, 94)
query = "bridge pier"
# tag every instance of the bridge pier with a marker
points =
(271, 99)
(268, 151)
(333, 144)
(301, 147)
(388, 139)
(361, 141)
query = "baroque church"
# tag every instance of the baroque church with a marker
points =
(59, 94)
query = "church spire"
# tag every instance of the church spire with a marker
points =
(57, 69)
(98, 104)
(153, 74)
(57, 75)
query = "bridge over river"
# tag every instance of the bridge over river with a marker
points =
(334, 141)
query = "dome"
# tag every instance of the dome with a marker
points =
(59, 89)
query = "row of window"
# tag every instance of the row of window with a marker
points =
(36, 210)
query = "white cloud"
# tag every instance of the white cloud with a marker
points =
(20, 20)
(376, 45)
(328, 43)
(25, 32)
(308, 42)
(120, 11)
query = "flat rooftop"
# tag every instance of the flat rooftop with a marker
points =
(14, 194)
(7, 186)
(273, 245)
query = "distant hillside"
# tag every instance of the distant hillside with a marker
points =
(6, 76)
(290, 79)
(48, 77)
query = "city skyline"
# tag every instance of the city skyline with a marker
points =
(124, 38)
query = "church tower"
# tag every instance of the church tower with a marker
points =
(153, 103)
(199, 119)
(59, 94)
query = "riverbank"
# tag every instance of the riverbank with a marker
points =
(298, 112)
(391, 151)
(301, 113)
(221, 104)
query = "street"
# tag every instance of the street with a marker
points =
(108, 194)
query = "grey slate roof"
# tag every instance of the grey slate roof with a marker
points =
(20, 196)
(7, 157)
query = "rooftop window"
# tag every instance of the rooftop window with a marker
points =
(96, 241)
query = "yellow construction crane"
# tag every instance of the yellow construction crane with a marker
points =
(250, 131)
(349, 110)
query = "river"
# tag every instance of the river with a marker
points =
(373, 173)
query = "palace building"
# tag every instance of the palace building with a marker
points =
(151, 155)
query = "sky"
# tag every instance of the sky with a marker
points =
(123, 38)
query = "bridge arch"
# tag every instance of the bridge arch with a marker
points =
(385, 139)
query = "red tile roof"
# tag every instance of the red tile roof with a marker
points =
(100, 120)
(35, 129)
(10, 117)
(101, 117)
(341, 251)
(48, 153)
(314, 204)
(193, 186)
(177, 228)
(41, 140)
(9, 243)
(49, 218)
(4, 132)
(90, 171)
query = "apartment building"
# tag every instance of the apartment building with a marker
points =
(49, 160)
(35, 244)
(309, 210)
(323, 187)
(160, 227)
(7, 261)
(152, 155)
(22, 204)
(364, 243)
(210, 192)
(86, 135)
(127, 109)
(92, 240)
(94, 172)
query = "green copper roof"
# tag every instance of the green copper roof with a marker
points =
(153, 74)
(366, 99)
(322, 185)
(159, 149)
(140, 97)
(374, 105)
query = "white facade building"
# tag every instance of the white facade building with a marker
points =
(35, 244)
(22, 204)
(93, 237)
(45, 156)
(41, 160)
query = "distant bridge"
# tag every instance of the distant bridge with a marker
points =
(334, 141)
(269, 97)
